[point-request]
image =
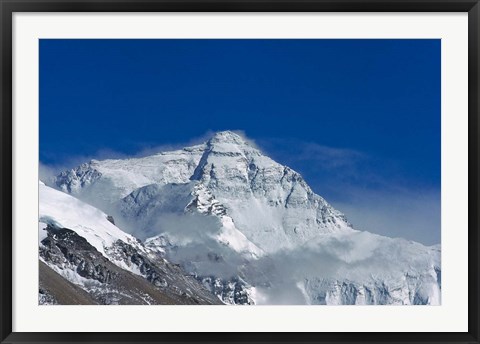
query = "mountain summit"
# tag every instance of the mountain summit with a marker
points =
(228, 137)
(251, 229)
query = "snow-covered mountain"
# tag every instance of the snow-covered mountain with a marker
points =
(251, 230)
(271, 203)
(82, 244)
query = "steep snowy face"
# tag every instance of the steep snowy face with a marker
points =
(271, 203)
(60, 210)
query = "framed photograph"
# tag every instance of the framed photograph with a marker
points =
(235, 171)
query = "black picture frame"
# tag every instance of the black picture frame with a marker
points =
(8, 7)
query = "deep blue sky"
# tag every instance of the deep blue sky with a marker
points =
(353, 116)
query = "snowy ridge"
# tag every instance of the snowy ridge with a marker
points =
(117, 178)
(64, 211)
(81, 244)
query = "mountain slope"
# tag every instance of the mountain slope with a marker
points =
(353, 268)
(78, 242)
(56, 290)
(103, 182)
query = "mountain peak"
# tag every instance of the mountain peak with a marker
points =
(227, 136)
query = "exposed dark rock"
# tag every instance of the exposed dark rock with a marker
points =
(233, 291)
(110, 218)
(107, 283)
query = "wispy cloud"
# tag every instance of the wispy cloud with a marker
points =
(321, 156)
(396, 212)
(329, 157)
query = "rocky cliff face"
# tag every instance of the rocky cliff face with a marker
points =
(252, 230)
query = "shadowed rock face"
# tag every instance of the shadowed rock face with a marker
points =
(69, 255)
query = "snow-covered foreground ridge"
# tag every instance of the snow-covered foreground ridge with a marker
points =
(251, 229)
(64, 211)
(81, 244)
